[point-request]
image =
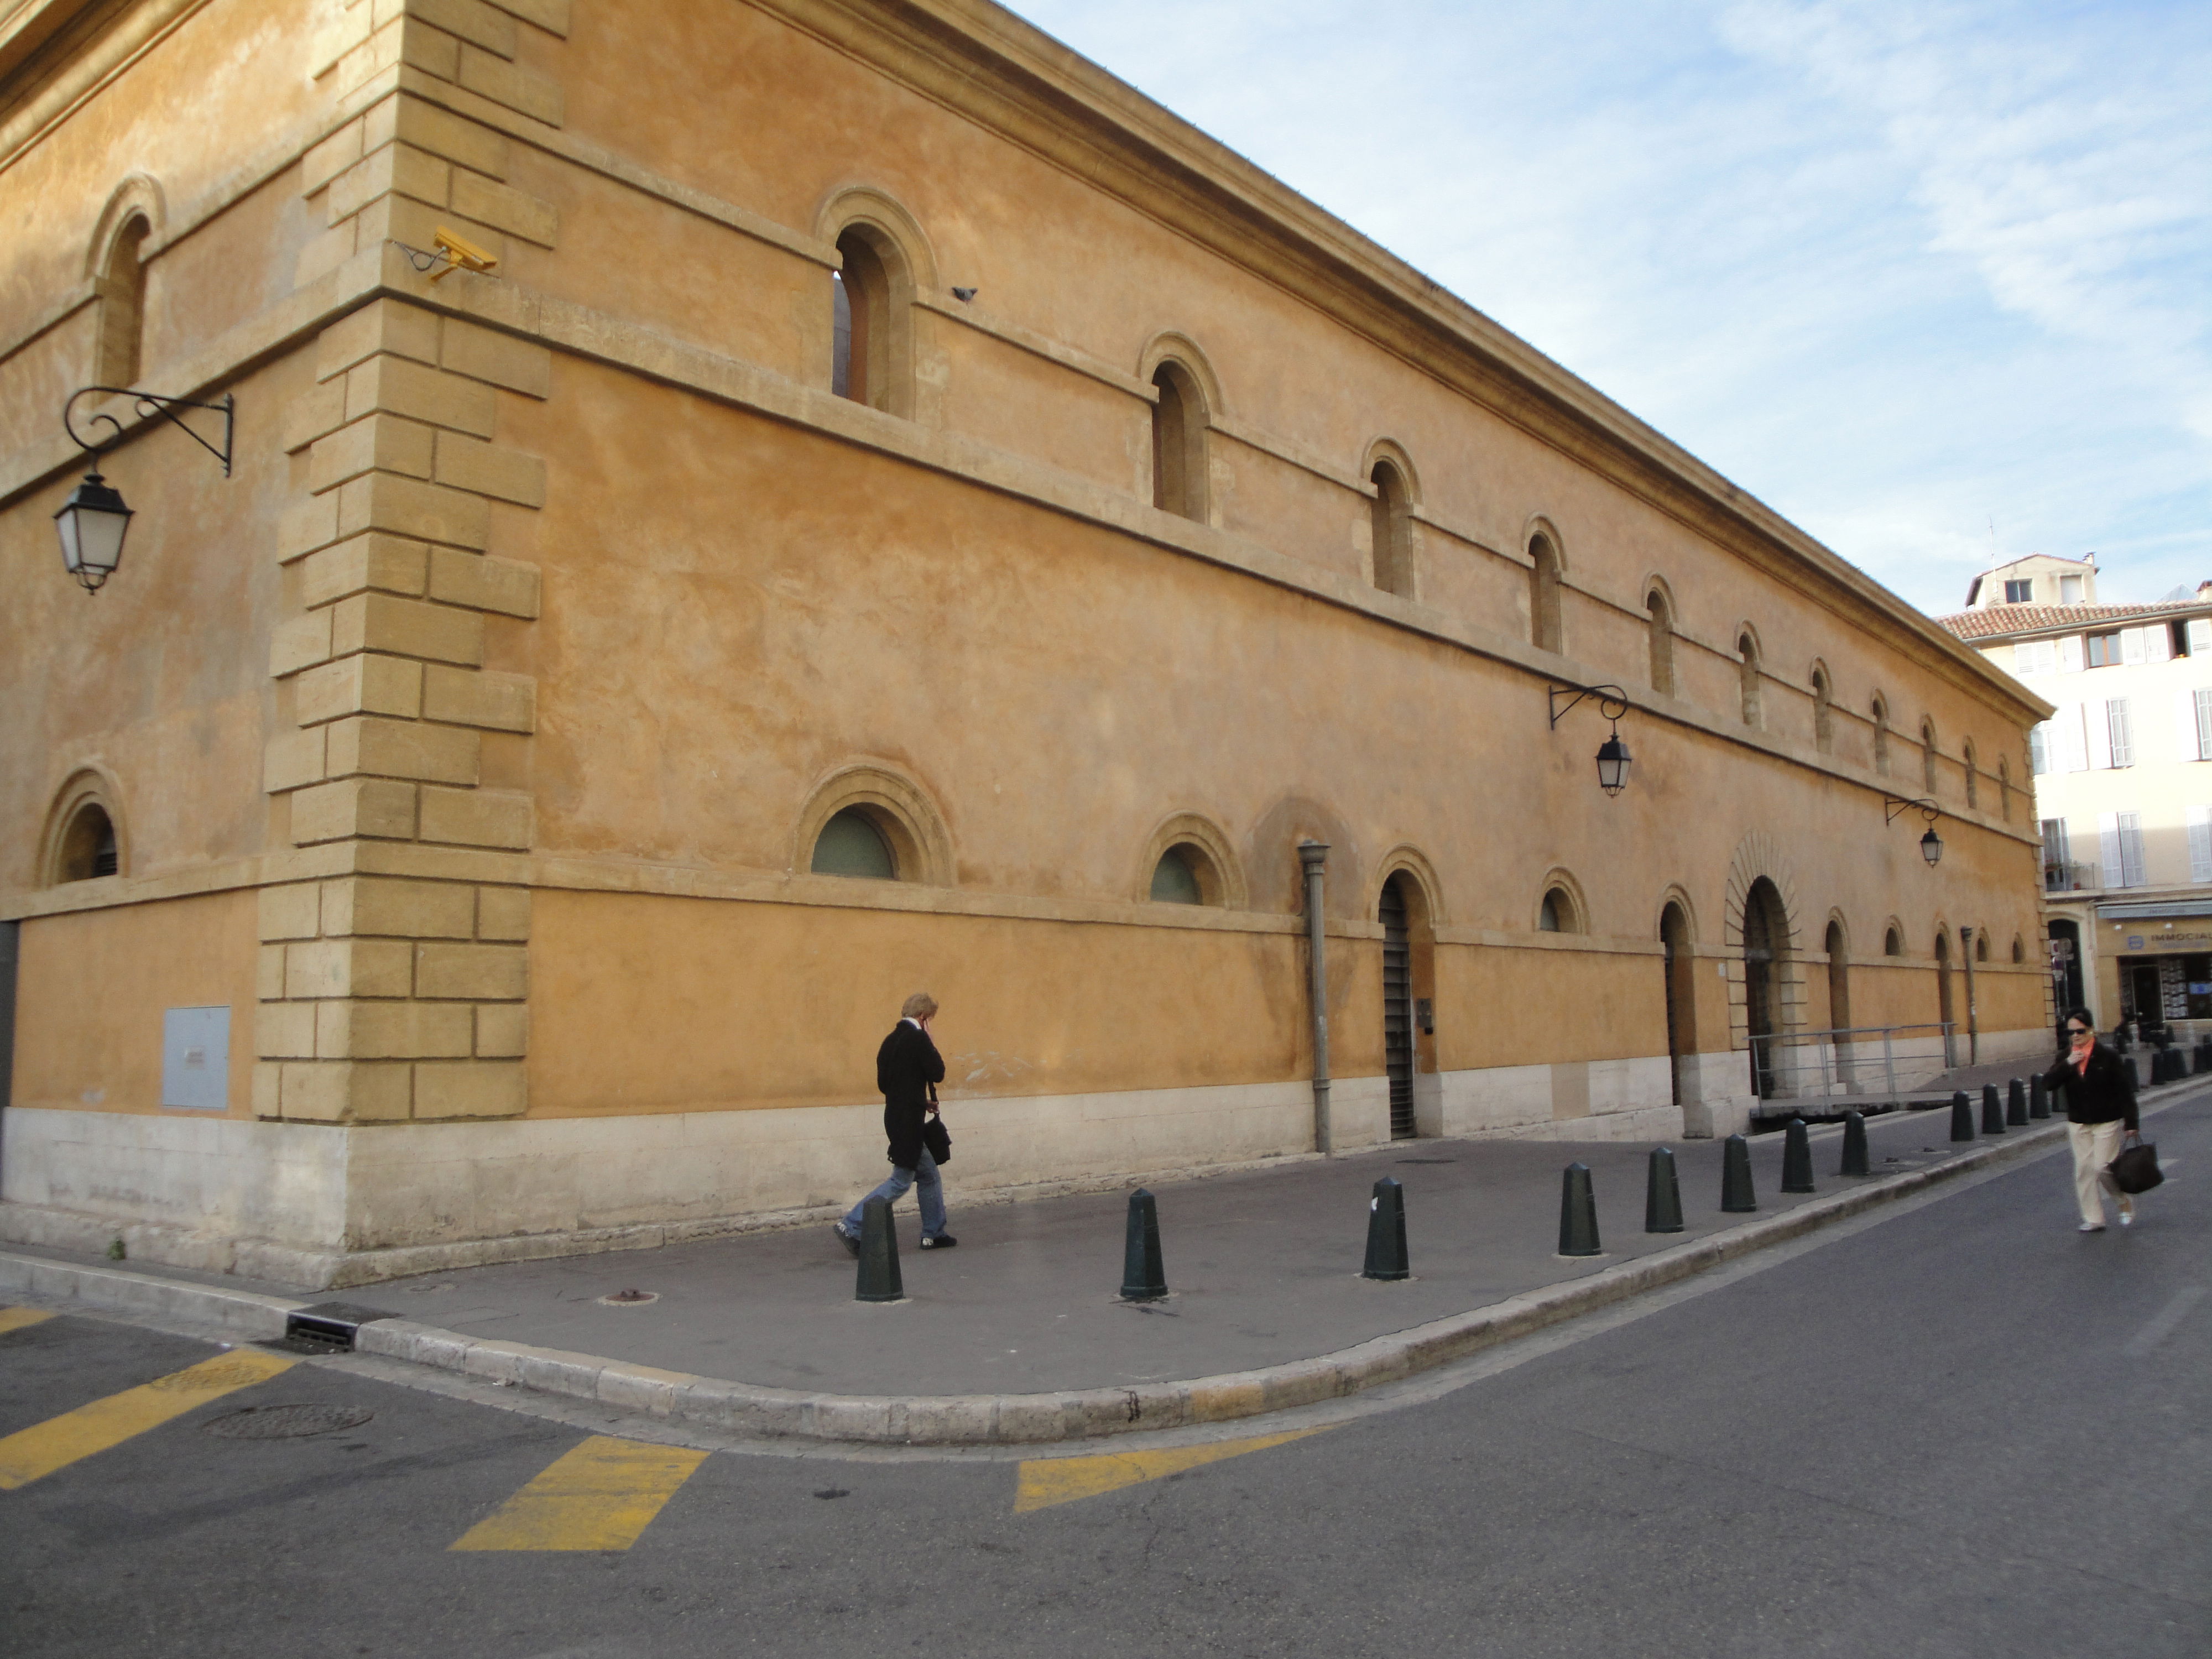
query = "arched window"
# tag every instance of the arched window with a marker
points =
(860, 293)
(1559, 913)
(121, 287)
(2019, 950)
(1662, 642)
(1982, 946)
(1179, 423)
(1928, 755)
(1892, 942)
(1393, 515)
(1973, 778)
(1839, 978)
(1544, 628)
(1881, 738)
(87, 845)
(1824, 712)
(1747, 651)
(853, 844)
(1186, 874)
(2004, 788)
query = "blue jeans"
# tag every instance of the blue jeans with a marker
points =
(894, 1189)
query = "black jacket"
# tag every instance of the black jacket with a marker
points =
(906, 1067)
(2106, 1093)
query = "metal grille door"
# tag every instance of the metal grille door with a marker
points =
(1397, 1012)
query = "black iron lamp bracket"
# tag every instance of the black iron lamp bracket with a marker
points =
(146, 405)
(1612, 700)
(1892, 806)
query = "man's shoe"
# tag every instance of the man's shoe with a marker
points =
(852, 1244)
(2090, 1227)
(942, 1241)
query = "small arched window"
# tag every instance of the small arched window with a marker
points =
(1179, 423)
(1393, 515)
(853, 844)
(1543, 625)
(1928, 755)
(860, 296)
(1982, 946)
(122, 290)
(2019, 950)
(1973, 778)
(1662, 642)
(1747, 651)
(2004, 788)
(1824, 711)
(1881, 738)
(87, 845)
(1186, 874)
(1893, 943)
(1558, 913)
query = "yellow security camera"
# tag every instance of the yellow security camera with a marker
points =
(461, 254)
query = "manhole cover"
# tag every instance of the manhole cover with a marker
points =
(286, 1422)
(629, 1299)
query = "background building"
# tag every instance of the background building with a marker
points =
(902, 510)
(2123, 793)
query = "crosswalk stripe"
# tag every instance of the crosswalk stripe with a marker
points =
(61, 1441)
(598, 1496)
(1045, 1481)
(15, 1319)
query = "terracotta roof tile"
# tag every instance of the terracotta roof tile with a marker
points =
(2002, 619)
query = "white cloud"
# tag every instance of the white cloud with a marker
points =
(1898, 269)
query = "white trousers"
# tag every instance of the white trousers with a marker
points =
(2095, 1145)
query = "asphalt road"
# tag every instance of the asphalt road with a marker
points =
(1958, 1429)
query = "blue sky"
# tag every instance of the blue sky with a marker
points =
(1927, 278)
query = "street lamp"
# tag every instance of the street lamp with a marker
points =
(1613, 759)
(1931, 844)
(94, 520)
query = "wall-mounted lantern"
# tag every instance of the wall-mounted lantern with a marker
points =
(92, 521)
(1613, 759)
(1931, 844)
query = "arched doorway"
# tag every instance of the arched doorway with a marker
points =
(1766, 936)
(1839, 998)
(1398, 1004)
(1943, 992)
(1682, 993)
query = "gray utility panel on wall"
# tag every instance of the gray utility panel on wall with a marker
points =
(196, 1059)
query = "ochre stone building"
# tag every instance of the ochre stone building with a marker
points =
(901, 511)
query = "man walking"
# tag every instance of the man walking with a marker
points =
(907, 1070)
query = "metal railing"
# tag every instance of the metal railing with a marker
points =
(1858, 1063)
(2072, 877)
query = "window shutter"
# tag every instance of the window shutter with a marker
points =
(2054, 843)
(2188, 742)
(2069, 654)
(2158, 642)
(2038, 749)
(2073, 750)
(2131, 645)
(2132, 849)
(2203, 702)
(2200, 843)
(2115, 721)
(2108, 844)
(2023, 657)
(2200, 634)
(2098, 725)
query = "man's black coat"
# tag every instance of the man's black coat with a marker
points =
(906, 1066)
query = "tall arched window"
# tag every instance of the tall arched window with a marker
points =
(2004, 788)
(1747, 648)
(1544, 628)
(1839, 978)
(122, 289)
(1661, 633)
(1179, 423)
(1973, 778)
(1928, 755)
(1393, 515)
(861, 296)
(1824, 712)
(1881, 735)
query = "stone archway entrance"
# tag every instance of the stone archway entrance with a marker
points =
(1765, 940)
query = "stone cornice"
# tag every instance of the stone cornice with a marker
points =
(55, 54)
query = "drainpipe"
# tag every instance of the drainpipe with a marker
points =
(1973, 1023)
(1314, 855)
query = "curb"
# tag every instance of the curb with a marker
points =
(1000, 1419)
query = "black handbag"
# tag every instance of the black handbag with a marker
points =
(935, 1137)
(2135, 1169)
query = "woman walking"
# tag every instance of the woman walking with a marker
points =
(2099, 1087)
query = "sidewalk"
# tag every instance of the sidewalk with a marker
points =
(1017, 1335)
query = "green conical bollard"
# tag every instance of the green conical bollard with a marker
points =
(1737, 1196)
(1386, 1232)
(1855, 1145)
(1797, 1157)
(1144, 1274)
(2039, 1097)
(879, 1268)
(1992, 1110)
(2016, 1105)
(1962, 1117)
(1577, 1213)
(1663, 1194)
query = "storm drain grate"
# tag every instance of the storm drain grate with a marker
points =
(286, 1422)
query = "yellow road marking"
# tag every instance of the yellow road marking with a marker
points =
(1048, 1481)
(15, 1319)
(599, 1496)
(61, 1441)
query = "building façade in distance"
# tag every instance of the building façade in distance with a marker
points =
(901, 511)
